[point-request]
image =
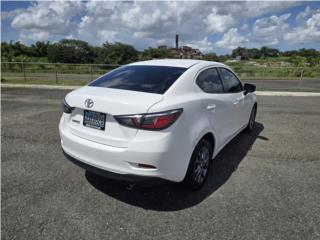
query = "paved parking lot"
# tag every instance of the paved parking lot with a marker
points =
(265, 185)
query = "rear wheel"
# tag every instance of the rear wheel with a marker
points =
(199, 165)
(252, 120)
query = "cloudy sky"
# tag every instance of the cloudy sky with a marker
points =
(210, 26)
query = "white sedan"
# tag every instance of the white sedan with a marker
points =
(162, 119)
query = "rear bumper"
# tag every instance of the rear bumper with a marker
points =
(121, 163)
(111, 175)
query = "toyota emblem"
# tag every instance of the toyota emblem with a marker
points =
(88, 103)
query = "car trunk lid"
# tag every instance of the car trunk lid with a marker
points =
(110, 102)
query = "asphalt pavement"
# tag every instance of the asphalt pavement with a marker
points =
(264, 185)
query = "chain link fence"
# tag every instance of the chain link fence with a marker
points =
(250, 72)
(49, 73)
(80, 74)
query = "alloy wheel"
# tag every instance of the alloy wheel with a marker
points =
(201, 164)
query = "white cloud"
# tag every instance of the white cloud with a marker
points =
(43, 19)
(269, 31)
(245, 27)
(217, 23)
(11, 14)
(249, 9)
(307, 32)
(306, 13)
(204, 45)
(144, 24)
(35, 35)
(232, 39)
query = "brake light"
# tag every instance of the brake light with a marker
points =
(150, 121)
(66, 108)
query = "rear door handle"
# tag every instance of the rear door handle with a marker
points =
(211, 107)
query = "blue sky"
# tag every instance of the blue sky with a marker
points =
(209, 26)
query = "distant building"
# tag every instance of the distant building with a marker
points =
(238, 58)
(243, 56)
(163, 47)
(184, 51)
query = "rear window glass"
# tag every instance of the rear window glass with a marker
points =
(150, 79)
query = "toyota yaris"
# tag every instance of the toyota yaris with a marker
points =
(162, 119)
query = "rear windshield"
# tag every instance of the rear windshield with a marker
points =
(150, 79)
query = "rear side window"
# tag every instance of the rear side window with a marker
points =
(209, 81)
(230, 82)
(150, 79)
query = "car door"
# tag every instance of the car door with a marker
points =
(234, 90)
(219, 106)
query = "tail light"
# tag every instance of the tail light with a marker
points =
(150, 121)
(66, 107)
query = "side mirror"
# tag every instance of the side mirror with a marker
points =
(248, 88)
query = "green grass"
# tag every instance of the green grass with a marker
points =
(46, 78)
(45, 82)
(272, 59)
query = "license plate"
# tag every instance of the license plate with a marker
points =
(93, 119)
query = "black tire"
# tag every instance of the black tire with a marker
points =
(199, 165)
(252, 120)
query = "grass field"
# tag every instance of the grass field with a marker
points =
(80, 74)
(48, 78)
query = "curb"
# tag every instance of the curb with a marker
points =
(258, 93)
(288, 94)
(42, 86)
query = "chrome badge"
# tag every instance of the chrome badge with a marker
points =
(88, 103)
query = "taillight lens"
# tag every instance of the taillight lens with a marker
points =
(66, 108)
(150, 121)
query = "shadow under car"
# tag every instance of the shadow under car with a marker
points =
(175, 196)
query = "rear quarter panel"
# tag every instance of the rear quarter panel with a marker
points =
(191, 126)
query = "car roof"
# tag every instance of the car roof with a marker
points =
(184, 63)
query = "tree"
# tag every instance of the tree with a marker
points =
(290, 53)
(13, 50)
(269, 52)
(239, 51)
(71, 51)
(155, 53)
(77, 51)
(254, 53)
(6, 52)
(19, 49)
(211, 57)
(308, 52)
(117, 53)
(40, 49)
(223, 58)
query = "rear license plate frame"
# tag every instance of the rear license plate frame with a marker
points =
(95, 120)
